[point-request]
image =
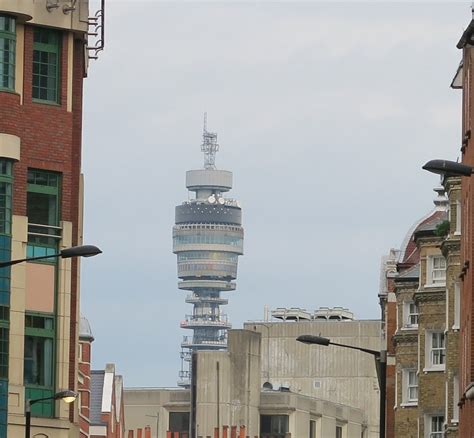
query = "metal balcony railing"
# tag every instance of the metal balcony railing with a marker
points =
(42, 230)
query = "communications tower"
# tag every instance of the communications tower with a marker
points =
(207, 239)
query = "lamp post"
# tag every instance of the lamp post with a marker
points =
(448, 168)
(67, 396)
(75, 251)
(380, 365)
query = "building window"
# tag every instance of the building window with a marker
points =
(273, 426)
(42, 209)
(39, 362)
(457, 306)
(7, 52)
(436, 350)
(339, 431)
(312, 429)
(410, 386)
(435, 426)
(46, 60)
(178, 422)
(411, 315)
(436, 271)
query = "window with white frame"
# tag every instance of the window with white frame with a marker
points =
(435, 426)
(436, 350)
(410, 386)
(411, 314)
(436, 271)
(457, 306)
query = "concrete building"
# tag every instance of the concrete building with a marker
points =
(207, 239)
(42, 66)
(228, 397)
(339, 375)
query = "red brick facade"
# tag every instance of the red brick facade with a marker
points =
(466, 365)
(50, 140)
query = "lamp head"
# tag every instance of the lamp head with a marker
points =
(310, 339)
(448, 168)
(67, 396)
(80, 251)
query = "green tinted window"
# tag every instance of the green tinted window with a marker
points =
(42, 208)
(46, 54)
(7, 52)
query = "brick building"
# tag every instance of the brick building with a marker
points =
(42, 66)
(420, 299)
(107, 417)
(463, 80)
(84, 376)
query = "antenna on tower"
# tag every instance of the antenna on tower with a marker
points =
(209, 146)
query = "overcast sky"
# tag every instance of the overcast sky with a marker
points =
(325, 113)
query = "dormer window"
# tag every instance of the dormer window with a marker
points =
(436, 271)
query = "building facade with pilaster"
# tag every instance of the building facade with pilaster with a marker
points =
(43, 62)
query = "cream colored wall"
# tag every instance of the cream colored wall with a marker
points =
(10, 146)
(54, 428)
(16, 400)
(34, 11)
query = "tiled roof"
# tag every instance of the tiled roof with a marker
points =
(97, 386)
(413, 272)
(410, 253)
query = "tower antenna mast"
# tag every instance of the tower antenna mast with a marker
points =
(209, 146)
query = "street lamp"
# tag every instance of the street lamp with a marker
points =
(380, 364)
(75, 251)
(448, 168)
(67, 396)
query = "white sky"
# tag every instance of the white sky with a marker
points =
(325, 113)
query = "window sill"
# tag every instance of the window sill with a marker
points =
(457, 233)
(455, 328)
(46, 102)
(433, 285)
(409, 404)
(9, 91)
(434, 369)
(409, 327)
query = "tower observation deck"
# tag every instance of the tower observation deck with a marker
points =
(207, 239)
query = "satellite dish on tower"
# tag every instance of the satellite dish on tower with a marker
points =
(221, 201)
(211, 199)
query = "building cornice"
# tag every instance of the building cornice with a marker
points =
(402, 336)
(426, 295)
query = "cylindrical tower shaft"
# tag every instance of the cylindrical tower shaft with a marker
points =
(207, 239)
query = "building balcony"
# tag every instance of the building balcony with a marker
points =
(195, 299)
(190, 342)
(196, 322)
(217, 285)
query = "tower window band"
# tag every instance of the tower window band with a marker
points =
(7, 52)
(46, 62)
